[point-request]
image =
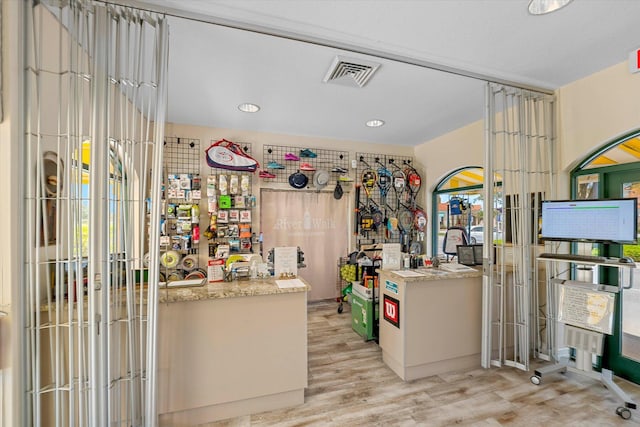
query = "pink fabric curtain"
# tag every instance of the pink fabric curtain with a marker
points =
(317, 223)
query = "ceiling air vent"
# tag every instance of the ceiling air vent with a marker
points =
(350, 71)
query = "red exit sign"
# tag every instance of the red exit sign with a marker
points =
(634, 61)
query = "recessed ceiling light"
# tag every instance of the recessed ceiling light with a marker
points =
(248, 108)
(541, 7)
(375, 123)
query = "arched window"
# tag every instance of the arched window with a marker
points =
(458, 200)
(82, 165)
(613, 171)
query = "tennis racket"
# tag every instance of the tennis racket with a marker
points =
(419, 219)
(414, 183)
(385, 179)
(405, 219)
(369, 179)
(399, 183)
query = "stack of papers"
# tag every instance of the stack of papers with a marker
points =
(290, 283)
(455, 268)
(408, 273)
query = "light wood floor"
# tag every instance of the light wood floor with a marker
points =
(349, 385)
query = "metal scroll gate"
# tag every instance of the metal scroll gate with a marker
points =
(95, 80)
(519, 173)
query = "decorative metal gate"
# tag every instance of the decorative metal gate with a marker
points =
(95, 83)
(519, 174)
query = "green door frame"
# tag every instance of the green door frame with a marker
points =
(612, 358)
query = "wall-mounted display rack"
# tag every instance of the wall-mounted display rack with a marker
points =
(282, 161)
(230, 201)
(386, 205)
(180, 219)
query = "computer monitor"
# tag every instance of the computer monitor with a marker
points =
(601, 220)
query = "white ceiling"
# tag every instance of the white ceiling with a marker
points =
(214, 68)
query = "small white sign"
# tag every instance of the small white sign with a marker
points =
(285, 260)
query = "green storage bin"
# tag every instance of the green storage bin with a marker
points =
(364, 316)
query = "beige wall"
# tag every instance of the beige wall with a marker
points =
(596, 110)
(10, 216)
(591, 113)
(440, 156)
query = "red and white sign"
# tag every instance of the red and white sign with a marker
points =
(391, 307)
(215, 270)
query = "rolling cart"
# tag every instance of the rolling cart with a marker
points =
(585, 311)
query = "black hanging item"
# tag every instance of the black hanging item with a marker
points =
(337, 193)
(225, 154)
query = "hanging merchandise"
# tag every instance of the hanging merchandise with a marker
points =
(189, 262)
(222, 184)
(320, 179)
(211, 185)
(414, 182)
(224, 202)
(338, 192)
(419, 219)
(298, 180)
(384, 182)
(244, 185)
(195, 213)
(196, 234)
(170, 259)
(225, 154)
(233, 185)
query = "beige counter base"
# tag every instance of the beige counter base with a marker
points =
(440, 318)
(231, 356)
(409, 373)
(233, 409)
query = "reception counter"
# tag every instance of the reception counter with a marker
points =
(430, 323)
(229, 349)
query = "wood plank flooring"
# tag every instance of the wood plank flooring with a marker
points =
(349, 385)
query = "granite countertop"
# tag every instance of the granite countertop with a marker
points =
(427, 274)
(236, 288)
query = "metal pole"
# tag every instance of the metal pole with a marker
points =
(98, 224)
(488, 261)
(162, 50)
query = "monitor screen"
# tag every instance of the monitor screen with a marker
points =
(604, 220)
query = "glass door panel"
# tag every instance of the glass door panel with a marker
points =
(622, 354)
(631, 292)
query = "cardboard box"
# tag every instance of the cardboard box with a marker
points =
(364, 292)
